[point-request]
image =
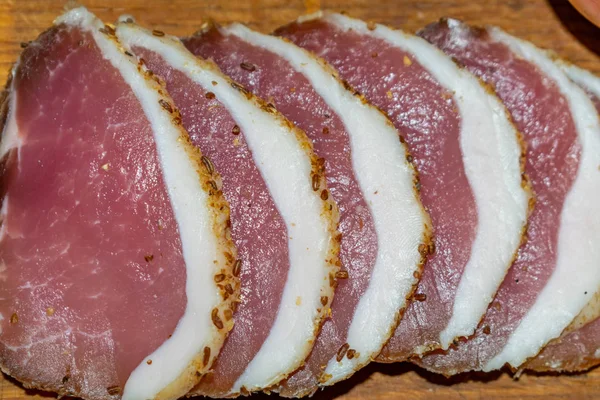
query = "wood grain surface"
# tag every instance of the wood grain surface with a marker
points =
(552, 24)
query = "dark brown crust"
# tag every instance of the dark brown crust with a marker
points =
(587, 364)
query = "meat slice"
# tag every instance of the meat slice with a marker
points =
(284, 221)
(577, 347)
(557, 271)
(382, 222)
(469, 159)
(112, 234)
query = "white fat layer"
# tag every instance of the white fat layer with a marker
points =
(577, 269)
(189, 203)
(590, 82)
(10, 135)
(581, 77)
(10, 140)
(310, 17)
(286, 168)
(491, 157)
(386, 182)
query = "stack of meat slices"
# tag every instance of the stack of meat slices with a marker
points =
(367, 176)
(468, 156)
(232, 213)
(463, 209)
(286, 291)
(556, 272)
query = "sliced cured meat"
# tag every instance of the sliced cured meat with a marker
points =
(469, 160)
(382, 223)
(577, 347)
(283, 220)
(111, 231)
(557, 270)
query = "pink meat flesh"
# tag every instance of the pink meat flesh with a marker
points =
(274, 79)
(258, 230)
(427, 115)
(82, 301)
(577, 350)
(541, 113)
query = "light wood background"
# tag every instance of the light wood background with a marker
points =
(552, 24)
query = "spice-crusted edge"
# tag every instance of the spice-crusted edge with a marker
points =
(329, 213)
(525, 183)
(219, 210)
(318, 181)
(427, 242)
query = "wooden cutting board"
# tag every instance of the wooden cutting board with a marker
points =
(552, 24)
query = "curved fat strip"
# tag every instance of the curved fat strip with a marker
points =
(468, 155)
(578, 347)
(294, 179)
(111, 235)
(589, 82)
(381, 219)
(556, 272)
